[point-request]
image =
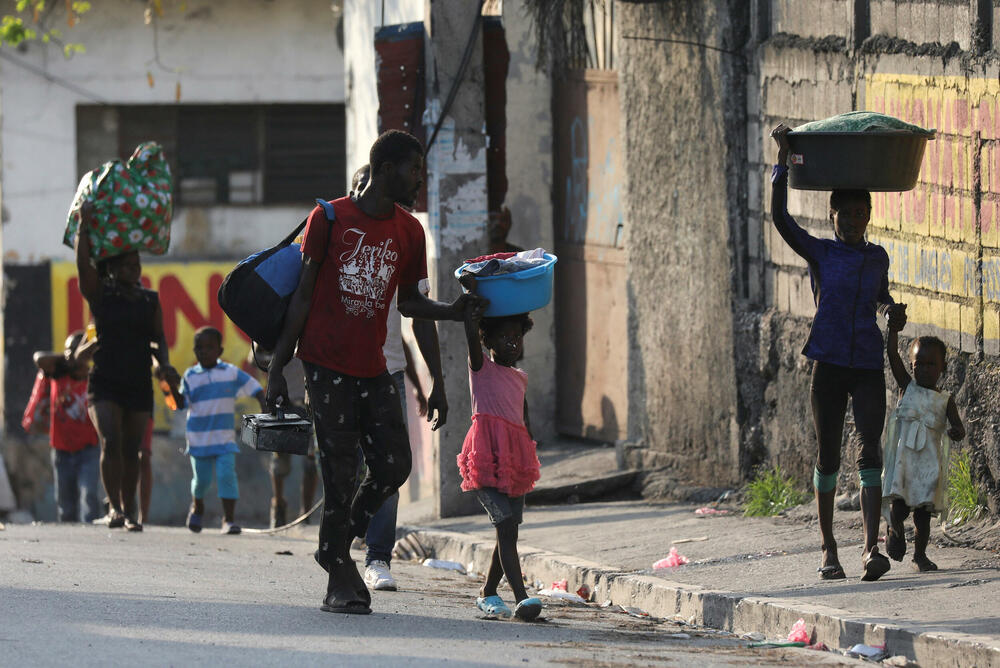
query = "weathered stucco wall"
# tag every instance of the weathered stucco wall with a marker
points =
(529, 189)
(684, 115)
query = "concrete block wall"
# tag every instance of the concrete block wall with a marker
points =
(922, 22)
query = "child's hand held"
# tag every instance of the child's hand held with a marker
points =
(897, 317)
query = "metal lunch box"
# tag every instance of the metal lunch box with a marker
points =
(277, 432)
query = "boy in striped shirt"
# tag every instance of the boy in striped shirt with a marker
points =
(210, 389)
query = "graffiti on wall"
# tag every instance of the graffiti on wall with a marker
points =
(188, 298)
(593, 208)
(945, 256)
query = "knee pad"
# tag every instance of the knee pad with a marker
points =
(824, 482)
(870, 477)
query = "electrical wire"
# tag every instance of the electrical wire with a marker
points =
(298, 520)
(58, 81)
(683, 41)
(466, 57)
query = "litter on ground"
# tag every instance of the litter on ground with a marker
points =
(561, 594)
(873, 652)
(561, 584)
(708, 510)
(445, 565)
(675, 558)
(799, 632)
(699, 539)
(768, 645)
(635, 612)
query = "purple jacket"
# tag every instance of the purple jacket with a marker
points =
(850, 286)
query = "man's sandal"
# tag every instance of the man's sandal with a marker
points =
(353, 607)
(876, 565)
(528, 609)
(493, 606)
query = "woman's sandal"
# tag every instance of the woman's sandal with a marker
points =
(895, 544)
(528, 609)
(876, 565)
(831, 572)
(493, 606)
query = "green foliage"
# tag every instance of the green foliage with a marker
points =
(966, 500)
(16, 30)
(13, 31)
(771, 493)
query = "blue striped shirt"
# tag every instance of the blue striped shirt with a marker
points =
(211, 397)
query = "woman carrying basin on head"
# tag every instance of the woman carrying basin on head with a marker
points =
(849, 277)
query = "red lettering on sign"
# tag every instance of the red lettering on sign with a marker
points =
(174, 297)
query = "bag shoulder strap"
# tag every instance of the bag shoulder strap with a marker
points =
(330, 216)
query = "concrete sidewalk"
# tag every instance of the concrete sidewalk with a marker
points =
(748, 574)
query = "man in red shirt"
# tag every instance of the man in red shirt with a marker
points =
(350, 269)
(76, 456)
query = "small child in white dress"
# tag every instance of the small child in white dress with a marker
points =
(915, 469)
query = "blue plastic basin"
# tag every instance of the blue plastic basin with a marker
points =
(520, 292)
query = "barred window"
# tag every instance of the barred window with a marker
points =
(226, 154)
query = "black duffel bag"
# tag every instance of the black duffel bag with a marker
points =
(256, 293)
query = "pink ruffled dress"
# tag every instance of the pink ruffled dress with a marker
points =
(498, 451)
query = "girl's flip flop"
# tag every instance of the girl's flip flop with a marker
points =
(493, 606)
(528, 609)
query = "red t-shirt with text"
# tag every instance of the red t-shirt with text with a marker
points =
(364, 260)
(70, 428)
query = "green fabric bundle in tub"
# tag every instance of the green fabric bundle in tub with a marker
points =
(862, 150)
(133, 205)
(862, 121)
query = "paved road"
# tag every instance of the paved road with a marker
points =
(89, 596)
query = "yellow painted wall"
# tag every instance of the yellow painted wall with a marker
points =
(188, 299)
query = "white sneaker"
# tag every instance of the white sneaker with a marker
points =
(378, 577)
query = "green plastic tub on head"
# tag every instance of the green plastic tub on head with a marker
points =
(857, 151)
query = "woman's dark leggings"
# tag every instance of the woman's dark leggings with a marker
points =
(348, 411)
(831, 385)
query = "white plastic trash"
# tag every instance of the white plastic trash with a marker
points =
(559, 593)
(445, 565)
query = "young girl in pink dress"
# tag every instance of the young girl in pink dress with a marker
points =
(498, 459)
